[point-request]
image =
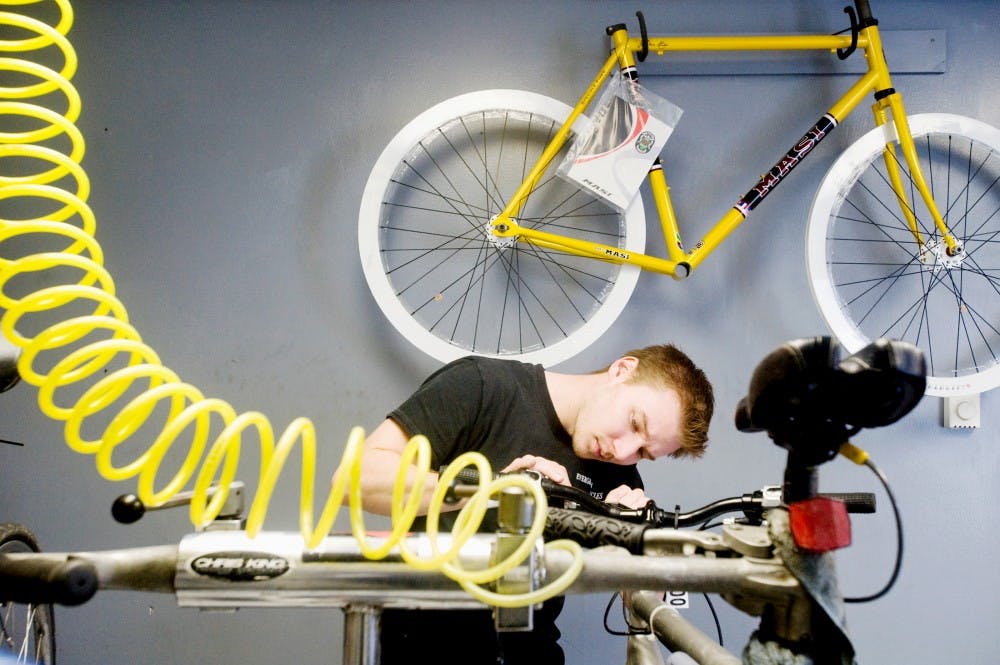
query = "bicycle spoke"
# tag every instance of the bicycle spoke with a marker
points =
(572, 273)
(437, 192)
(441, 260)
(893, 212)
(965, 312)
(438, 195)
(474, 282)
(483, 184)
(474, 278)
(526, 162)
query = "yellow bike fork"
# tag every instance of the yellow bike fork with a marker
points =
(882, 109)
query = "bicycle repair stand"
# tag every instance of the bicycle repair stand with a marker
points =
(515, 514)
(362, 611)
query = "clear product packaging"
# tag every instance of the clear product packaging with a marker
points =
(627, 132)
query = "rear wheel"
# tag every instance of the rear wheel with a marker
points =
(444, 280)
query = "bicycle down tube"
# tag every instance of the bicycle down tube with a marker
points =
(681, 262)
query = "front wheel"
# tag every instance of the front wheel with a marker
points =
(27, 631)
(871, 278)
(440, 276)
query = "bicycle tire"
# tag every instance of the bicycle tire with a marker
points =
(25, 630)
(444, 281)
(869, 277)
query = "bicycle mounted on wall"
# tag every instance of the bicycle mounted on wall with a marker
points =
(775, 563)
(471, 242)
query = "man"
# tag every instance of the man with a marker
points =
(583, 430)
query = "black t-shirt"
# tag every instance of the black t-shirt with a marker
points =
(502, 409)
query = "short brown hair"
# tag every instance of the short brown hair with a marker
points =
(666, 366)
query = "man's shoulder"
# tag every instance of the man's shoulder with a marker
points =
(487, 367)
(472, 374)
(492, 362)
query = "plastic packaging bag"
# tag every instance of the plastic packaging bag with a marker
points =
(627, 132)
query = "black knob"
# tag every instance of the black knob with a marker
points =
(127, 509)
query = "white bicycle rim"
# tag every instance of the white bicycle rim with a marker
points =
(402, 147)
(955, 314)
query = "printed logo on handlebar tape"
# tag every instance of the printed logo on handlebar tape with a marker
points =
(240, 566)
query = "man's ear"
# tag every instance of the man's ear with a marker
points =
(623, 368)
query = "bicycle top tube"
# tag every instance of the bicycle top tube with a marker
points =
(681, 43)
(844, 45)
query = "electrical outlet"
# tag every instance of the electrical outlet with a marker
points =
(961, 412)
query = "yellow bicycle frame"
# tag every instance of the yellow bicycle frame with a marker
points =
(680, 263)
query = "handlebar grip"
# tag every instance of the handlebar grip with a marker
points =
(38, 579)
(856, 502)
(467, 476)
(593, 530)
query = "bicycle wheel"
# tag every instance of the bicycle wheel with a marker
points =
(870, 277)
(450, 286)
(28, 631)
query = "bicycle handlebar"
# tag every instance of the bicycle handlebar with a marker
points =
(36, 579)
(752, 505)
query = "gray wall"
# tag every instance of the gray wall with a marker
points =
(228, 145)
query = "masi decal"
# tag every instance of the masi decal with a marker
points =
(240, 566)
(615, 253)
(770, 180)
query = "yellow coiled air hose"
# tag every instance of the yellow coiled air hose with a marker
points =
(76, 341)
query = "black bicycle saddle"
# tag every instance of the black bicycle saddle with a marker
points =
(810, 401)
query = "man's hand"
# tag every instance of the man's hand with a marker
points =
(627, 496)
(552, 470)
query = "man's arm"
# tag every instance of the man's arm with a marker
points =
(381, 456)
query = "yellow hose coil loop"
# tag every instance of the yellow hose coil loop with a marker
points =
(75, 331)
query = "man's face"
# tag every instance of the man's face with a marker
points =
(624, 422)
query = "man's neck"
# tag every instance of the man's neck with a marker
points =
(568, 392)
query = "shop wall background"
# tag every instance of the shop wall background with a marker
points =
(228, 146)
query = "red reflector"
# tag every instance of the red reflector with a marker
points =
(820, 524)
